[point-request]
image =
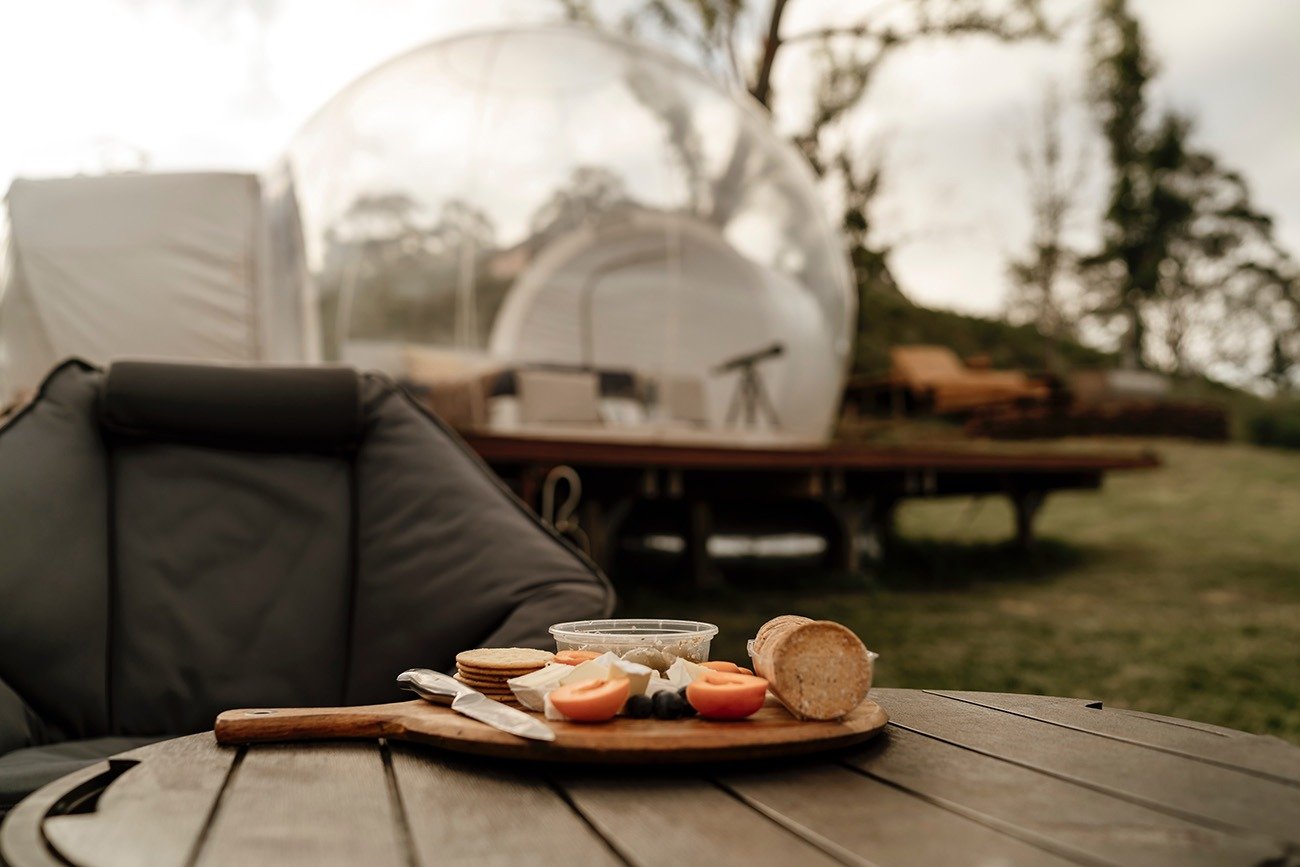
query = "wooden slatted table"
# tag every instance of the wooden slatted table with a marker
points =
(956, 778)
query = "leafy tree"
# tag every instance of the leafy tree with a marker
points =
(1183, 248)
(381, 257)
(592, 193)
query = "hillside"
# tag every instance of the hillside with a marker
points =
(888, 320)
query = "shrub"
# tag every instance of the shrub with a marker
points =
(1276, 423)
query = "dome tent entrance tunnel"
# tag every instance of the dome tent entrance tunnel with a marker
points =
(563, 212)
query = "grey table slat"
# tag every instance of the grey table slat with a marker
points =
(1075, 820)
(957, 777)
(22, 841)
(1263, 755)
(153, 813)
(879, 823)
(1169, 782)
(1186, 723)
(463, 812)
(316, 804)
(653, 820)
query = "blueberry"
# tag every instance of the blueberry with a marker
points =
(687, 708)
(639, 706)
(667, 705)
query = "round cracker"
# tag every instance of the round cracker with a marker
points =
(499, 685)
(496, 690)
(489, 683)
(487, 688)
(501, 668)
(480, 678)
(503, 658)
(490, 693)
(483, 674)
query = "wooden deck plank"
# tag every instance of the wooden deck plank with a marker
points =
(318, 804)
(612, 453)
(1067, 817)
(153, 813)
(472, 812)
(879, 823)
(1159, 779)
(1263, 755)
(652, 820)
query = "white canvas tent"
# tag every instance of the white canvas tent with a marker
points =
(667, 296)
(201, 266)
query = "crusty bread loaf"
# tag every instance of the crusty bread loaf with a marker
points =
(818, 668)
(777, 626)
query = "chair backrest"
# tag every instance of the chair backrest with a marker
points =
(184, 539)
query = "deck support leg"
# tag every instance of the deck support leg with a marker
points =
(845, 545)
(596, 528)
(699, 527)
(1027, 505)
(529, 487)
(881, 522)
(603, 526)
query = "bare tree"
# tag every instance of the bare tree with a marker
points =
(741, 42)
(1044, 289)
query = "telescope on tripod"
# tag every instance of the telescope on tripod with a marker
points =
(750, 400)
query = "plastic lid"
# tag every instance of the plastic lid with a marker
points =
(633, 630)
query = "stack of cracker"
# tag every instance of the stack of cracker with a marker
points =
(818, 668)
(488, 668)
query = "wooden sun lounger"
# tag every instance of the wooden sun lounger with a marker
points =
(952, 386)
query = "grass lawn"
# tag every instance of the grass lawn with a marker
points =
(1175, 591)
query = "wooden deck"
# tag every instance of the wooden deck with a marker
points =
(859, 485)
(515, 449)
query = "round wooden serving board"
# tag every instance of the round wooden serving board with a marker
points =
(770, 733)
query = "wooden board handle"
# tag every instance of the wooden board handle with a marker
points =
(259, 725)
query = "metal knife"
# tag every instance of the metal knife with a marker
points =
(442, 689)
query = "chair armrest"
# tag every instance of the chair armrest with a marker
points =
(19, 725)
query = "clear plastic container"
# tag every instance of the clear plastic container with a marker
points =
(655, 643)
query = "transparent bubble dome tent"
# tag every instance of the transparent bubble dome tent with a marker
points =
(563, 233)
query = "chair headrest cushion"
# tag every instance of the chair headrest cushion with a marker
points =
(259, 408)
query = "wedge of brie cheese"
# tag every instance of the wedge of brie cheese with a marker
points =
(638, 676)
(683, 672)
(550, 711)
(592, 669)
(531, 689)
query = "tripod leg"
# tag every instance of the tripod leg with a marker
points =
(734, 407)
(762, 399)
(751, 400)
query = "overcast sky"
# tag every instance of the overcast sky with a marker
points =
(205, 84)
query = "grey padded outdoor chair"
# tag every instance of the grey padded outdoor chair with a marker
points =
(177, 540)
